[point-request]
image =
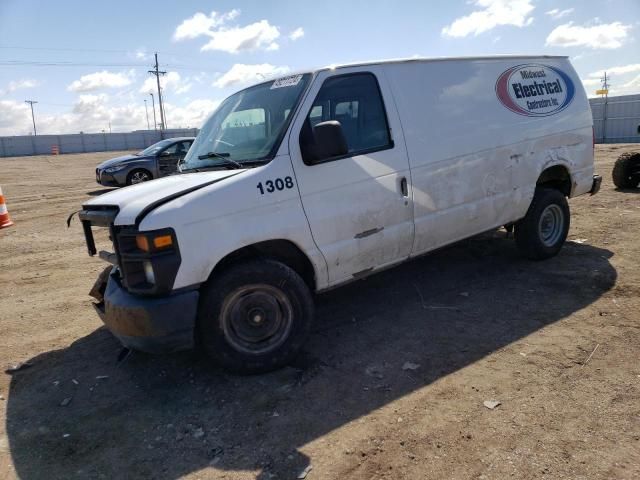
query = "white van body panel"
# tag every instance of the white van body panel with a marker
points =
(214, 221)
(132, 200)
(475, 163)
(471, 164)
(359, 218)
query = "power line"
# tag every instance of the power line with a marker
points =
(66, 64)
(30, 63)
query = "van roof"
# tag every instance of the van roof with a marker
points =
(434, 59)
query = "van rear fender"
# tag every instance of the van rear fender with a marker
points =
(556, 177)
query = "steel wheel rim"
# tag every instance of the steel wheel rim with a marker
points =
(551, 225)
(139, 177)
(256, 319)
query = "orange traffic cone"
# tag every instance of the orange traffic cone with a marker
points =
(5, 220)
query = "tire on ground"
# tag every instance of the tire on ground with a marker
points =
(626, 171)
(254, 289)
(543, 230)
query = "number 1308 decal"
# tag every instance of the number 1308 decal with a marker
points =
(271, 186)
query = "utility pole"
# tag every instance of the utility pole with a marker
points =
(31, 102)
(146, 110)
(109, 126)
(164, 112)
(153, 103)
(157, 73)
(605, 87)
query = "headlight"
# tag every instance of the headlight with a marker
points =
(149, 260)
(148, 272)
(115, 168)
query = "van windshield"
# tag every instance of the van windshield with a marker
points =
(248, 126)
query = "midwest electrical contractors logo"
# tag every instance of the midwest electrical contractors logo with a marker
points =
(535, 90)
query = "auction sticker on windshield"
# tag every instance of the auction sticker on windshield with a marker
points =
(290, 81)
(535, 90)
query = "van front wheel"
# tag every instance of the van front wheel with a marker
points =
(255, 316)
(543, 230)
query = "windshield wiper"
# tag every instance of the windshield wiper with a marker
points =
(224, 156)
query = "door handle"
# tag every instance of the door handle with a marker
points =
(403, 187)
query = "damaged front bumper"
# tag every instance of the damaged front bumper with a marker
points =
(149, 324)
(595, 186)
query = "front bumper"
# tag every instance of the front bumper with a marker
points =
(149, 324)
(595, 186)
(107, 179)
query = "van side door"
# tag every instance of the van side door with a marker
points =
(358, 204)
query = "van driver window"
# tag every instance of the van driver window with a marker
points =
(354, 100)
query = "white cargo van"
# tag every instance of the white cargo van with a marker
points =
(304, 183)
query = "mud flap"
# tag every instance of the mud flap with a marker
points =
(100, 285)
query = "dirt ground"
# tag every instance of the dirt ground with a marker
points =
(556, 342)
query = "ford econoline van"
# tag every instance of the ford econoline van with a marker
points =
(307, 182)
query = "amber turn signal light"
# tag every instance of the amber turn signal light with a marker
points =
(142, 242)
(163, 241)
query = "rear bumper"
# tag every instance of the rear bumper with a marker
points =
(595, 186)
(149, 324)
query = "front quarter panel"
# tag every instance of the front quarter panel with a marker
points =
(214, 221)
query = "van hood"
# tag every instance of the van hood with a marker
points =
(137, 200)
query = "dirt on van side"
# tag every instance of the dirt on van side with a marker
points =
(392, 383)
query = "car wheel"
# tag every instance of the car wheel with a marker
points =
(543, 230)
(255, 316)
(138, 176)
(626, 171)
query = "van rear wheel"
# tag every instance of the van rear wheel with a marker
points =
(255, 316)
(543, 230)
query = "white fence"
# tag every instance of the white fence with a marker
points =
(86, 142)
(618, 121)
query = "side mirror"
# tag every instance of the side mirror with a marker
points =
(164, 153)
(329, 140)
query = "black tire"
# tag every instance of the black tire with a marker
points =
(626, 171)
(250, 300)
(543, 230)
(141, 173)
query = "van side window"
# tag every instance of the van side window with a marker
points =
(355, 101)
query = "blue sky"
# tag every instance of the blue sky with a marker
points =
(99, 52)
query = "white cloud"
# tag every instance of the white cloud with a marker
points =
(172, 81)
(557, 13)
(493, 13)
(15, 118)
(296, 34)
(241, 74)
(255, 36)
(19, 85)
(141, 54)
(590, 82)
(98, 80)
(620, 70)
(191, 115)
(201, 24)
(600, 36)
(92, 113)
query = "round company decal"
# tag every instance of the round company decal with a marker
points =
(535, 90)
